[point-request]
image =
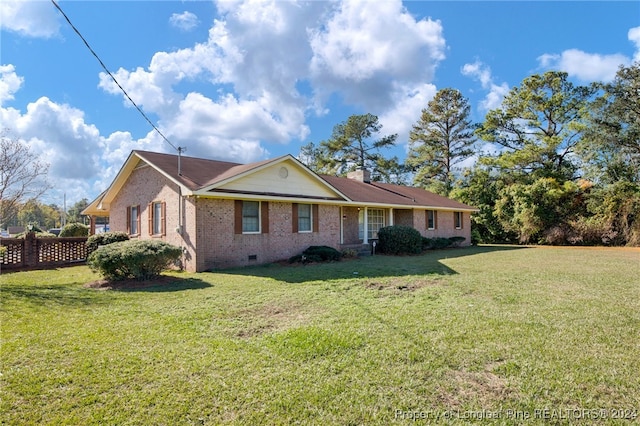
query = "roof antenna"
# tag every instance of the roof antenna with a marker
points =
(181, 149)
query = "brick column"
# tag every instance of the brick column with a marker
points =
(30, 249)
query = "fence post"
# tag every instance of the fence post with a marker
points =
(30, 249)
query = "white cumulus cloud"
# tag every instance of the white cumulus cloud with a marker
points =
(29, 18)
(587, 67)
(482, 73)
(362, 51)
(408, 103)
(185, 21)
(82, 161)
(258, 53)
(634, 37)
(263, 69)
(10, 82)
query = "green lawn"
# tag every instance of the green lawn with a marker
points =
(511, 331)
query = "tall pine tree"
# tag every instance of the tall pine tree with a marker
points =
(441, 140)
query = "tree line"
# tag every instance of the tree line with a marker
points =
(556, 163)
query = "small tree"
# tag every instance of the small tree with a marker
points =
(73, 215)
(22, 176)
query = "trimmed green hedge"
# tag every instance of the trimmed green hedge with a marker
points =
(399, 239)
(74, 230)
(317, 254)
(139, 259)
(97, 240)
(441, 242)
(38, 234)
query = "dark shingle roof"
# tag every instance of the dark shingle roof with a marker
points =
(198, 173)
(386, 193)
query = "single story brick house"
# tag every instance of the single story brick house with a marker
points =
(226, 214)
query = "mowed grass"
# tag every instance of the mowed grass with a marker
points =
(370, 341)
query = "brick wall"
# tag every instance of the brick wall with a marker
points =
(403, 217)
(445, 225)
(146, 185)
(220, 247)
(208, 238)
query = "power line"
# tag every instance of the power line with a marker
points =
(104, 67)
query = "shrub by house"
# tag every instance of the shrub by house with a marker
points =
(139, 259)
(399, 240)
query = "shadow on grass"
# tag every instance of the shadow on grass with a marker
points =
(62, 295)
(73, 295)
(162, 284)
(429, 262)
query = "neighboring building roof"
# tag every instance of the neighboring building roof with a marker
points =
(200, 176)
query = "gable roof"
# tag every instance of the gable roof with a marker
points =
(202, 177)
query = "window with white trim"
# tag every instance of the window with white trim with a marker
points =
(250, 217)
(157, 220)
(431, 219)
(133, 220)
(457, 219)
(305, 218)
(375, 221)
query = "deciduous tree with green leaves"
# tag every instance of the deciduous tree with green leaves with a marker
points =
(441, 140)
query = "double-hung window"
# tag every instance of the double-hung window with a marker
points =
(432, 219)
(457, 219)
(157, 221)
(250, 217)
(133, 220)
(305, 219)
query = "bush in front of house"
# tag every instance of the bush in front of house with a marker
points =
(439, 243)
(317, 254)
(106, 238)
(435, 243)
(138, 259)
(456, 241)
(398, 239)
(74, 230)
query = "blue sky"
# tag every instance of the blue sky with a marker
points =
(247, 80)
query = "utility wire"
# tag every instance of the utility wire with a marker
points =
(179, 149)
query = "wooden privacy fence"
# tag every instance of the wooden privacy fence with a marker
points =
(32, 252)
